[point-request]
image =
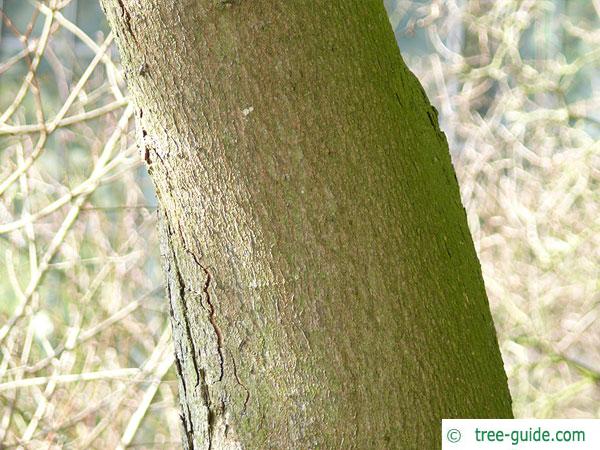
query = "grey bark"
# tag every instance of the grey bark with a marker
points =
(324, 288)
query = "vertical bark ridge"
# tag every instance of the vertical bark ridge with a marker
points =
(204, 420)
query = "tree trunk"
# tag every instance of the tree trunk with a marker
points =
(324, 288)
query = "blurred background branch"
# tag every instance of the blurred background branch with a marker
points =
(84, 333)
(86, 357)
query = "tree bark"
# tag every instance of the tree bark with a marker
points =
(324, 288)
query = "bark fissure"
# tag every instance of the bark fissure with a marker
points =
(201, 383)
(186, 321)
(213, 320)
(212, 313)
(210, 418)
(237, 378)
(188, 425)
(186, 419)
(127, 19)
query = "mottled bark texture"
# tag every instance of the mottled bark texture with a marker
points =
(324, 288)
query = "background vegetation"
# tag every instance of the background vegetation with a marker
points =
(84, 335)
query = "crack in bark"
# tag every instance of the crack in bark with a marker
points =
(187, 326)
(212, 318)
(210, 417)
(127, 19)
(201, 373)
(201, 383)
(146, 148)
(212, 313)
(237, 378)
(187, 424)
